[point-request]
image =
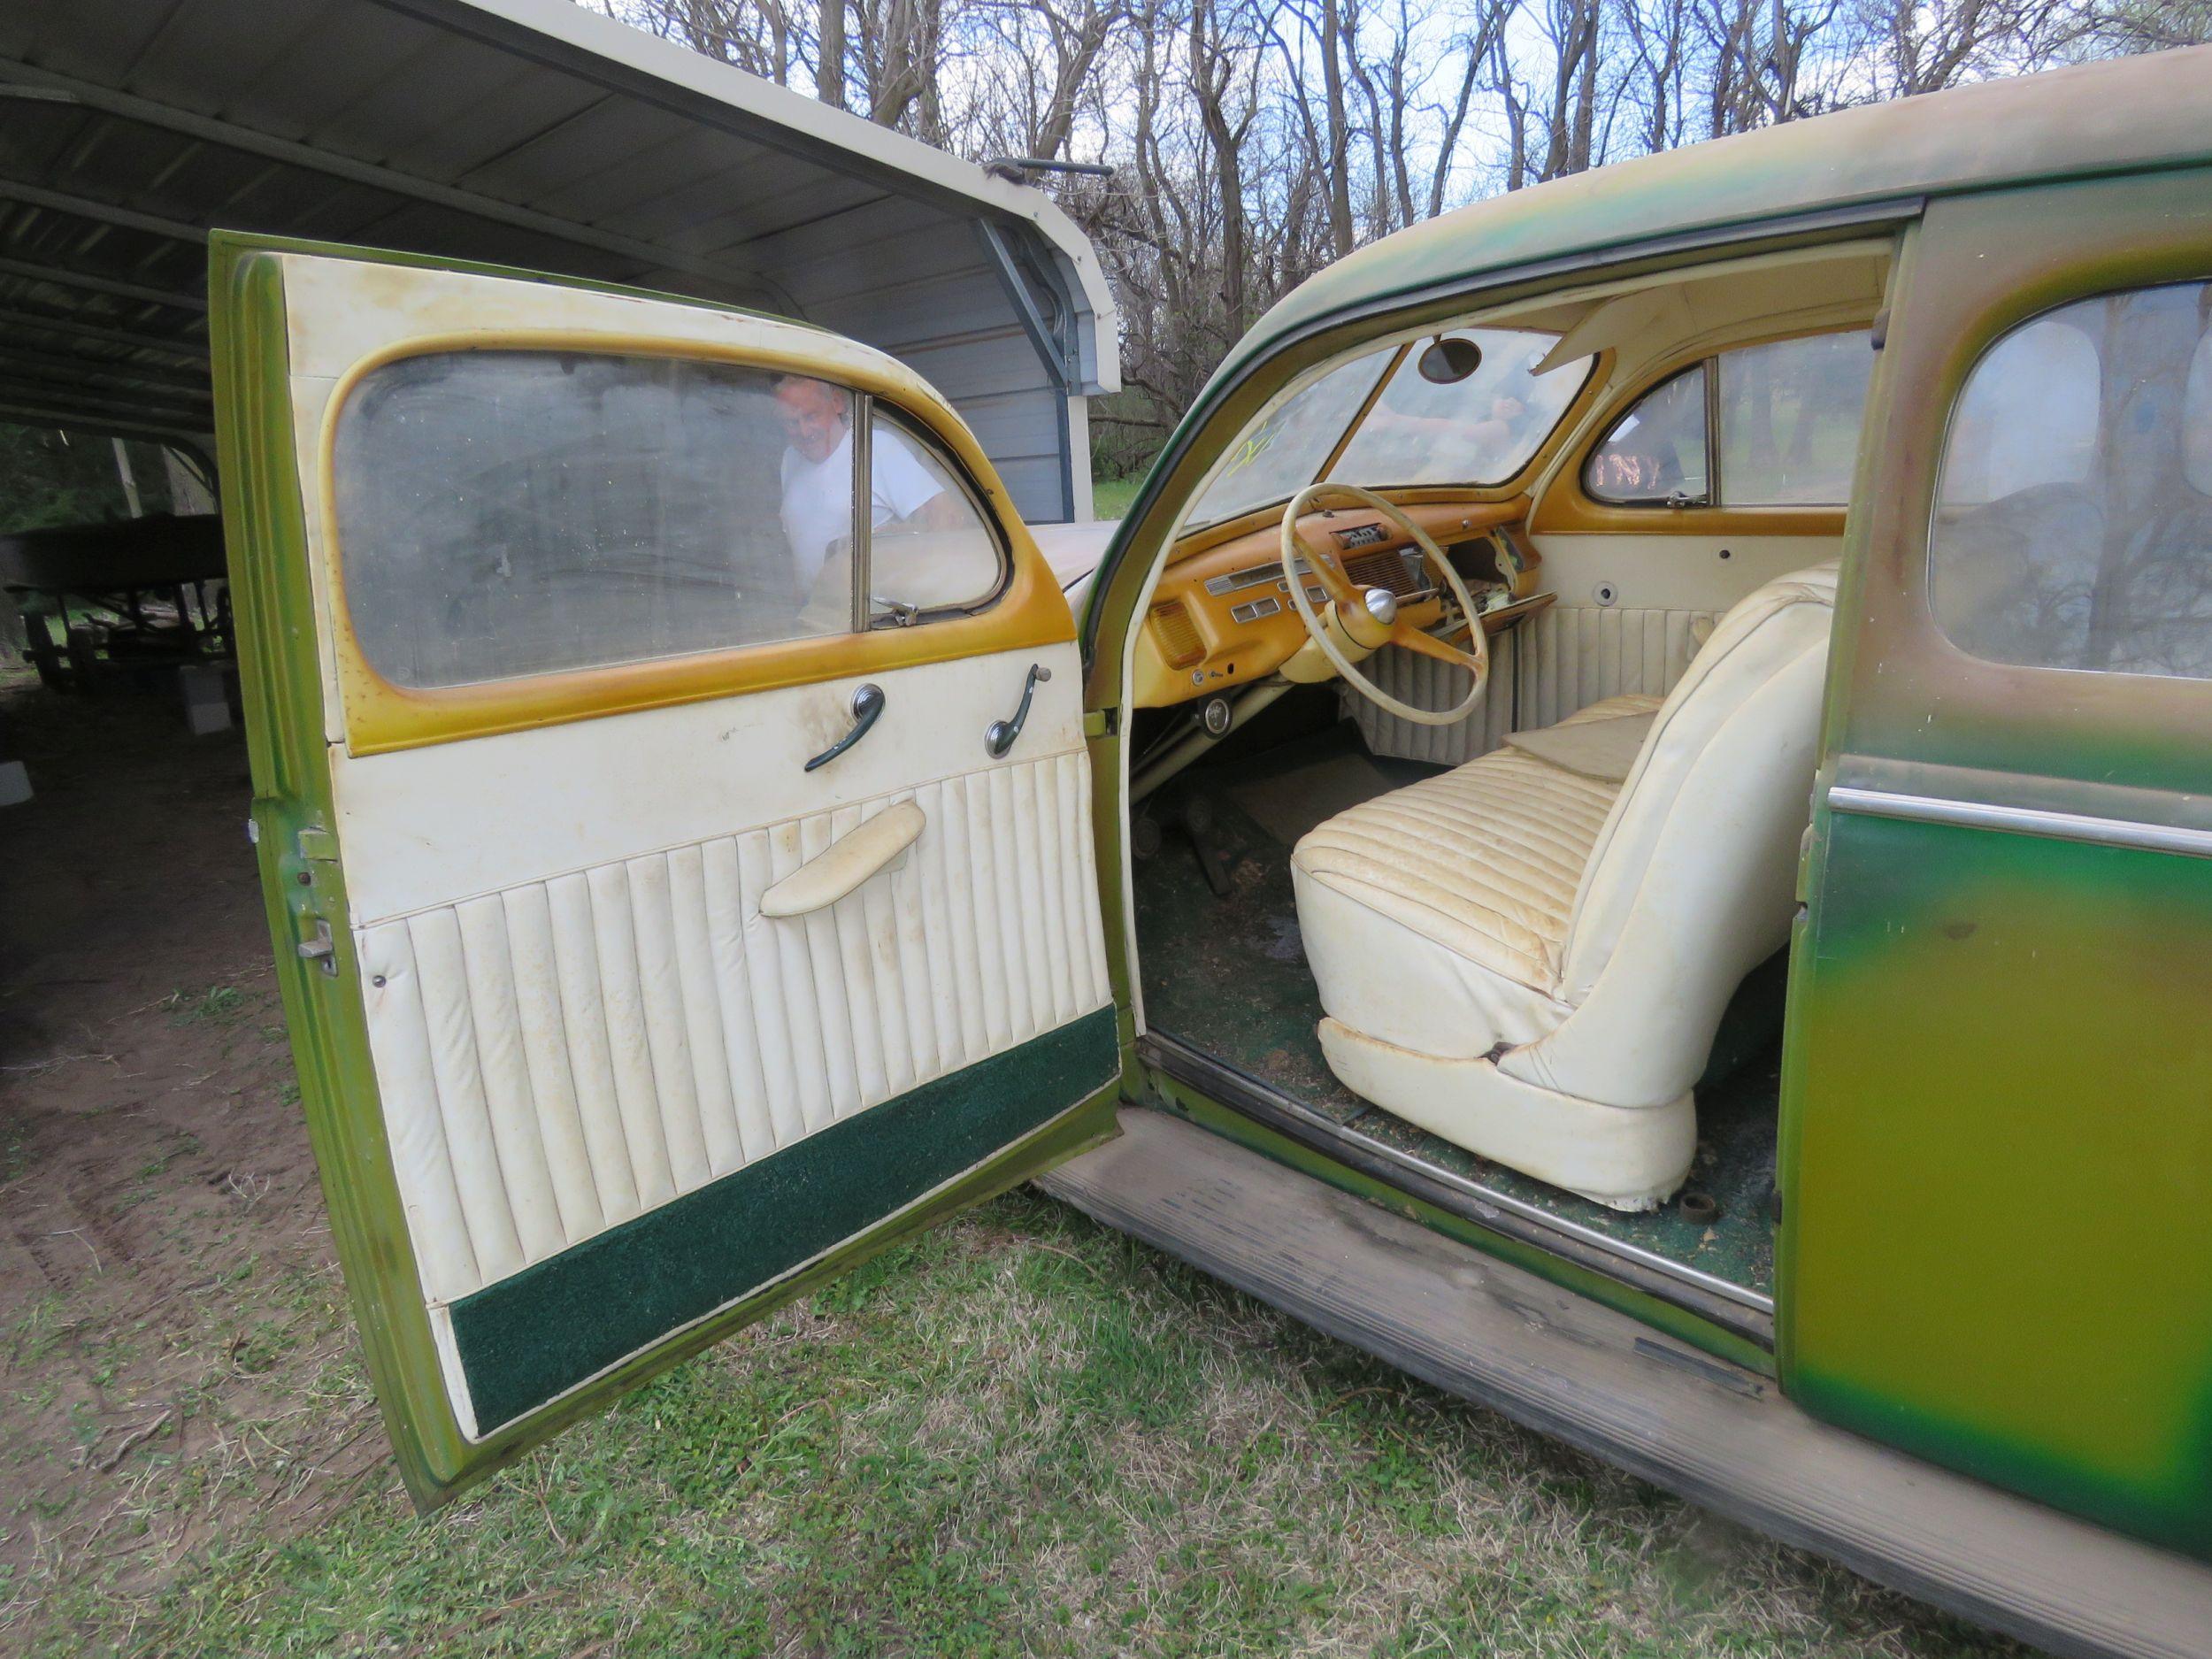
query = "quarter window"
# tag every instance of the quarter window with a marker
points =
(1789, 414)
(2073, 519)
(1657, 451)
(509, 513)
(930, 547)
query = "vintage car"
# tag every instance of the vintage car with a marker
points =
(1736, 991)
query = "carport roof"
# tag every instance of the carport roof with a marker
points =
(525, 132)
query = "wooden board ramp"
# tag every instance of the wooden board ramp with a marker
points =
(1723, 1437)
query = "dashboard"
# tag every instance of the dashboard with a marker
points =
(1222, 616)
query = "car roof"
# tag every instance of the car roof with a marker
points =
(2125, 116)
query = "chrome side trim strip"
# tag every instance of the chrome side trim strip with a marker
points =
(2021, 821)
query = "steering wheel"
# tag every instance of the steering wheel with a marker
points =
(1370, 617)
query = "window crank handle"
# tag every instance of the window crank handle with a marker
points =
(998, 737)
(867, 704)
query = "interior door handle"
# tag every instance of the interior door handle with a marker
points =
(867, 704)
(999, 736)
(848, 862)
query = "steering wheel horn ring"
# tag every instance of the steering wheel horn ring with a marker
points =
(1378, 607)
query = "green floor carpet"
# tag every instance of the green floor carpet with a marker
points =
(1228, 976)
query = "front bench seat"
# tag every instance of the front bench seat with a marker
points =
(1531, 963)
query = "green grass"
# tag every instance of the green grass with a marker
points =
(1111, 497)
(218, 1003)
(1021, 1434)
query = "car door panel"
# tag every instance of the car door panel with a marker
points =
(580, 1101)
(1996, 1161)
(560, 1054)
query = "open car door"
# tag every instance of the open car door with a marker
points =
(672, 809)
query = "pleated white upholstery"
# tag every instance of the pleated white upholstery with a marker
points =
(1548, 667)
(1512, 946)
(1483, 860)
(561, 1056)
(1426, 683)
(1570, 656)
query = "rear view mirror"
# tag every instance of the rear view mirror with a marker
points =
(1448, 359)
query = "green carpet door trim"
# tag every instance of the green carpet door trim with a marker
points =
(531, 1337)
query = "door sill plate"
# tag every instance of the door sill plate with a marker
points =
(1733, 1307)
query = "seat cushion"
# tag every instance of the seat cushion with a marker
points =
(1435, 916)
(1603, 750)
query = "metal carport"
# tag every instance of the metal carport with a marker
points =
(523, 132)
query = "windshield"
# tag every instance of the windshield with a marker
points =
(1479, 430)
(1281, 452)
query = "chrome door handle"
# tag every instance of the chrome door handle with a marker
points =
(867, 704)
(998, 737)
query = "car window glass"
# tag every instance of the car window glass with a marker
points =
(2028, 415)
(2196, 420)
(929, 547)
(1480, 430)
(1278, 454)
(2073, 526)
(1657, 451)
(1790, 413)
(508, 514)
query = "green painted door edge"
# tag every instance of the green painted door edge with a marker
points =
(280, 684)
(302, 884)
(1171, 1095)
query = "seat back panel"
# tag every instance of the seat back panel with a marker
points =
(1754, 644)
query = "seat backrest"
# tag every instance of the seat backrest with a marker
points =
(1692, 881)
(1732, 675)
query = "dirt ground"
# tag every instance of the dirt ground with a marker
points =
(177, 1352)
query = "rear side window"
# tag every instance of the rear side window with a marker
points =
(1790, 414)
(503, 514)
(2073, 520)
(1788, 417)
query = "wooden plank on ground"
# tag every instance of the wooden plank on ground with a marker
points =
(1720, 1436)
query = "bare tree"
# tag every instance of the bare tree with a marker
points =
(1256, 141)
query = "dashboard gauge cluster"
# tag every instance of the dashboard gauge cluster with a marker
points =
(1222, 616)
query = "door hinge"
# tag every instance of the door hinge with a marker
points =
(1102, 722)
(318, 845)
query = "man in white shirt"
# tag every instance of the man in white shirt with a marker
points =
(817, 477)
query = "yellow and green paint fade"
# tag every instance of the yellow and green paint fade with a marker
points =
(1997, 1246)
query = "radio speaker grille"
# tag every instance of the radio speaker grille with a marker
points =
(1178, 634)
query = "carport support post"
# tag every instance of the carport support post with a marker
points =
(130, 484)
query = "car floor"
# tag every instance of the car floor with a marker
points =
(1228, 976)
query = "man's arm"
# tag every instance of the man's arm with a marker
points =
(917, 498)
